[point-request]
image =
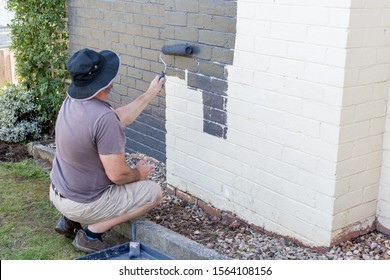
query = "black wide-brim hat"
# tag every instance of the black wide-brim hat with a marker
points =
(91, 72)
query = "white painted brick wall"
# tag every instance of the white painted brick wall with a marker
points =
(306, 113)
(363, 118)
(383, 208)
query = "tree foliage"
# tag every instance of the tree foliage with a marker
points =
(39, 35)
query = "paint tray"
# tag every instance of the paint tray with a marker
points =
(121, 252)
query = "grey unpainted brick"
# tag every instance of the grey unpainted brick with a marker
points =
(222, 55)
(119, 27)
(152, 32)
(151, 9)
(118, 47)
(124, 38)
(186, 6)
(117, 6)
(175, 18)
(212, 22)
(214, 38)
(214, 114)
(150, 54)
(89, 13)
(137, 30)
(214, 100)
(214, 128)
(157, 21)
(142, 41)
(89, 22)
(190, 34)
(134, 29)
(212, 69)
(218, 7)
(186, 63)
(199, 81)
(142, 19)
(200, 21)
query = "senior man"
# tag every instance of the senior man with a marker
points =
(91, 182)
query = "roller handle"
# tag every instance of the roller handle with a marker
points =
(162, 76)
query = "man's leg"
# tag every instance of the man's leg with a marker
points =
(90, 239)
(64, 225)
(67, 227)
(104, 226)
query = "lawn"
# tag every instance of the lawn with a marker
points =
(27, 217)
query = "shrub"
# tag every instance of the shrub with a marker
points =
(19, 120)
(39, 35)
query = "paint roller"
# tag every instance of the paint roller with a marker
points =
(178, 49)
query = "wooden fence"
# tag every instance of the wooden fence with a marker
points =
(7, 67)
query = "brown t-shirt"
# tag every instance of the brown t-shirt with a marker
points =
(85, 129)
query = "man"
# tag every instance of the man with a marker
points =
(91, 183)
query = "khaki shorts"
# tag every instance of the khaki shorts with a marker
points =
(115, 201)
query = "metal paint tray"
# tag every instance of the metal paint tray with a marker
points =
(121, 252)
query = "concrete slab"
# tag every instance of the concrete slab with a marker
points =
(168, 241)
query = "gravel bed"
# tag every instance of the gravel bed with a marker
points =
(238, 241)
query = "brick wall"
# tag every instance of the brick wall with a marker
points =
(363, 118)
(274, 167)
(277, 117)
(305, 118)
(210, 26)
(137, 30)
(134, 30)
(381, 90)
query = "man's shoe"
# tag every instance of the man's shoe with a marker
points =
(67, 227)
(83, 243)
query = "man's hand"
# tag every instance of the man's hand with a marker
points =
(145, 168)
(155, 86)
(128, 113)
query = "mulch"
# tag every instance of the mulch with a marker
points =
(13, 152)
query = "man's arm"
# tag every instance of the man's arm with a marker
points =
(128, 113)
(120, 173)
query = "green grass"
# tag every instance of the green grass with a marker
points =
(27, 217)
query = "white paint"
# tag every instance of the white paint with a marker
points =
(307, 102)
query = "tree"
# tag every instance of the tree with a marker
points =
(39, 34)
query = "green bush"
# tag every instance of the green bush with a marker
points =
(39, 35)
(19, 120)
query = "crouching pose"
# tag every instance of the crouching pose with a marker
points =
(90, 182)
